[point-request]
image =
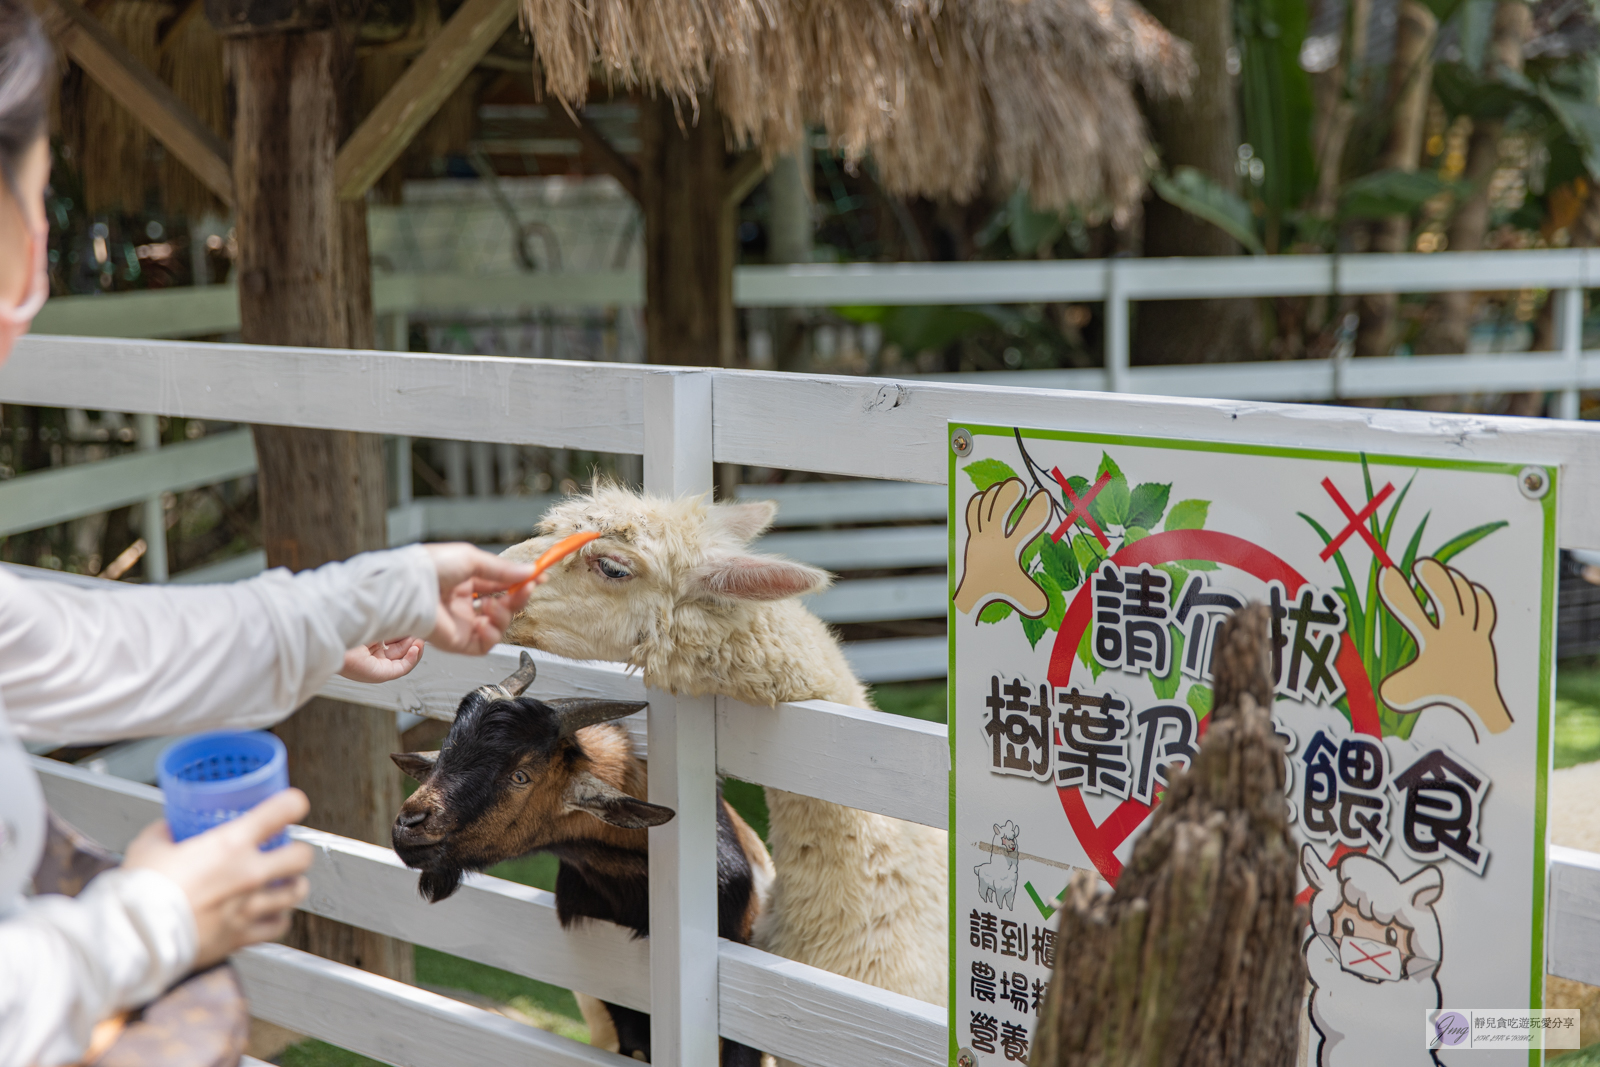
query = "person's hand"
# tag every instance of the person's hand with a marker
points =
(992, 569)
(471, 618)
(382, 662)
(1455, 665)
(239, 894)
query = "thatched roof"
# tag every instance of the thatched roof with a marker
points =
(1041, 91)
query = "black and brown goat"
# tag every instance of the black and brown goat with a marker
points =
(517, 775)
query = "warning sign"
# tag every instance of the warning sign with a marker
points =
(1412, 609)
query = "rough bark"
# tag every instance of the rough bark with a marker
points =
(1200, 131)
(1410, 82)
(303, 280)
(1450, 314)
(1194, 959)
(689, 235)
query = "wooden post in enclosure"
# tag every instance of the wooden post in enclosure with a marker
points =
(303, 280)
(1195, 958)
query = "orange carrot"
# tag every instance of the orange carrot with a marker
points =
(555, 553)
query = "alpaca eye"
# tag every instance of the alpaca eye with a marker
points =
(519, 777)
(1392, 936)
(612, 569)
(1348, 928)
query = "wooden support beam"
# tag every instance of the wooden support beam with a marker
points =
(743, 175)
(146, 97)
(615, 163)
(419, 93)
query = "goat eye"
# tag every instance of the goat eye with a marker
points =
(1392, 936)
(519, 777)
(1348, 927)
(611, 568)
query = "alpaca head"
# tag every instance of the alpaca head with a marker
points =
(663, 572)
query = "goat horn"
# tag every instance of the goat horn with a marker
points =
(521, 678)
(577, 712)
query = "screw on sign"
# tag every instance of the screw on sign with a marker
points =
(1405, 605)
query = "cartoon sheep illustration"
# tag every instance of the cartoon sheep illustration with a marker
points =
(1373, 959)
(997, 879)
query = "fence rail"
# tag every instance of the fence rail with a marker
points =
(683, 421)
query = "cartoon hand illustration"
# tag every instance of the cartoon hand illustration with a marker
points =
(1455, 664)
(992, 569)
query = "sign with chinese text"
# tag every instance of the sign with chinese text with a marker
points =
(1412, 610)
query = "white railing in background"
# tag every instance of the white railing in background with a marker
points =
(682, 421)
(1116, 282)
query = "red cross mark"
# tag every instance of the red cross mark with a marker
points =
(1080, 508)
(1357, 523)
(1371, 958)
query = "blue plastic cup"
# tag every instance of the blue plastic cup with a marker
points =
(211, 778)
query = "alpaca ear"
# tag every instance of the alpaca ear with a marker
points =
(1426, 886)
(745, 521)
(758, 578)
(1316, 871)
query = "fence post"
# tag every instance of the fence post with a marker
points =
(153, 517)
(1116, 328)
(683, 764)
(1569, 332)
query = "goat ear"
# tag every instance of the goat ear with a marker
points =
(416, 765)
(1315, 870)
(744, 521)
(759, 578)
(610, 804)
(1426, 886)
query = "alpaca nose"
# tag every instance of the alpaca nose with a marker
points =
(410, 820)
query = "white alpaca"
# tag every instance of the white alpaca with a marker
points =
(671, 587)
(997, 879)
(1373, 959)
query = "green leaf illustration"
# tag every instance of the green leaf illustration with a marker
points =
(1134, 533)
(1088, 551)
(1110, 505)
(1037, 628)
(1179, 575)
(1187, 515)
(995, 612)
(1461, 542)
(1147, 504)
(1198, 564)
(1060, 563)
(1087, 656)
(1166, 688)
(1199, 698)
(987, 472)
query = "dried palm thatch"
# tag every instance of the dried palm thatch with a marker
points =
(191, 62)
(115, 149)
(945, 96)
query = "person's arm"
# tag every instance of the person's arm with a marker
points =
(77, 664)
(67, 963)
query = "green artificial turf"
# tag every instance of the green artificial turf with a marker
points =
(1577, 712)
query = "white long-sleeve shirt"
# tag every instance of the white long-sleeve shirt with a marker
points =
(81, 665)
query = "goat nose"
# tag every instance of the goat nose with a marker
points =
(410, 819)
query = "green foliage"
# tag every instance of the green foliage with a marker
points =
(987, 472)
(1199, 698)
(1461, 542)
(1110, 505)
(1195, 192)
(1390, 192)
(1275, 93)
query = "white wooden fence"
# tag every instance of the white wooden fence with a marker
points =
(1118, 283)
(682, 421)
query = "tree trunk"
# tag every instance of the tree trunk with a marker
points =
(1194, 959)
(1410, 82)
(789, 240)
(689, 235)
(303, 280)
(1201, 131)
(1450, 314)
